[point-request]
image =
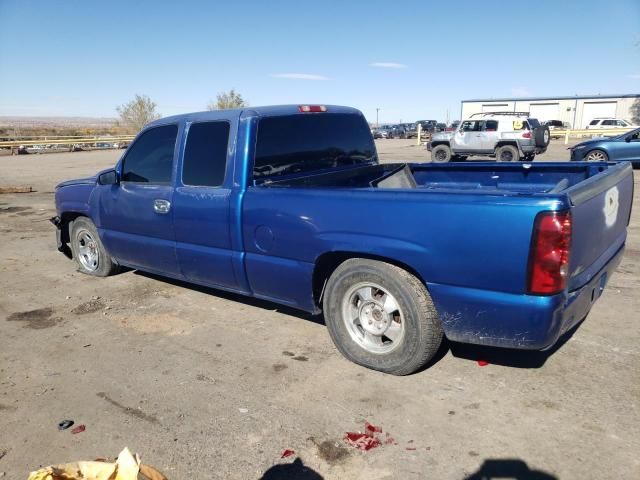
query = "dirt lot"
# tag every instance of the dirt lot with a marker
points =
(209, 385)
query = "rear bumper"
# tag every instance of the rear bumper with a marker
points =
(516, 321)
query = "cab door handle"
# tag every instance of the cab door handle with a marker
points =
(161, 206)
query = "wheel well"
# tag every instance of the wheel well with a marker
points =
(502, 144)
(597, 149)
(441, 142)
(65, 219)
(328, 262)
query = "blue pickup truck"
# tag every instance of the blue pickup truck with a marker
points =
(290, 204)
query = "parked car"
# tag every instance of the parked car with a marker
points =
(507, 136)
(410, 130)
(555, 124)
(452, 126)
(382, 132)
(609, 123)
(440, 127)
(427, 125)
(623, 148)
(302, 213)
(398, 131)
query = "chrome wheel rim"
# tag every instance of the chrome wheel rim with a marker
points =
(88, 253)
(596, 157)
(373, 318)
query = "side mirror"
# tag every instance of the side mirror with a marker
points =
(628, 138)
(108, 178)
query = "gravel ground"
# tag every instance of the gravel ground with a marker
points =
(208, 385)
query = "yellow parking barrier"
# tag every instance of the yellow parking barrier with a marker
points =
(67, 141)
(609, 132)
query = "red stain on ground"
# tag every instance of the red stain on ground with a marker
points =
(287, 453)
(79, 429)
(367, 440)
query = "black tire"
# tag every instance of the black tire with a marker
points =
(507, 153)
(422, 332)
(542, 136)
(441, 154)
(596, 156)
(84, 235)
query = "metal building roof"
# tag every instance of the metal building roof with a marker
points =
(568, 97)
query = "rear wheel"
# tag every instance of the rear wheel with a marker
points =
(88, 251)
(507, 153)
(596, 156)
(441, 154)
(381, 317)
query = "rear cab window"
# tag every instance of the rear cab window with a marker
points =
(150, 158)
(310, 142)
(205, 155)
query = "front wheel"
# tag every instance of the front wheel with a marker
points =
(88, 251)
(441, 154)
(596, 156)
(381, 317)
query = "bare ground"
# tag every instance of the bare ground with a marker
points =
(208, 385)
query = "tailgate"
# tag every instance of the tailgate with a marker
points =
(601, 207)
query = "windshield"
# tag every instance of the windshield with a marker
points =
(626, 134)
(311, 142)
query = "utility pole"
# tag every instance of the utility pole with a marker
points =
(377, 123)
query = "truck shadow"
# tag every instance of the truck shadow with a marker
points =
(291, 471)
(497, 356)
(510, 357)
(508, 468)
(236, 297)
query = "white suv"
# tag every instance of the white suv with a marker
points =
(507, 136)
(602, 123)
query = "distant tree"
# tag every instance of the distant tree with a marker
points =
(226, 100)
(635, 112)
(137, 113)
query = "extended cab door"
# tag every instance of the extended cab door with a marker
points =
(201, 204)
(135, 215)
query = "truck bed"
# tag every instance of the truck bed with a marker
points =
(482, 178)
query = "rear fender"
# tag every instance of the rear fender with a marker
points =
(387, 250)
(512, 143)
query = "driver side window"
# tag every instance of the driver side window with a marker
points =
(150, 158)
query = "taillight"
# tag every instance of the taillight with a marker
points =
(549, 255)
(312, 108)
(526, 135)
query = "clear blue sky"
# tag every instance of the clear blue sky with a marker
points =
(82, 58)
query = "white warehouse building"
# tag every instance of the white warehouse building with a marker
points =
(575, 111)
